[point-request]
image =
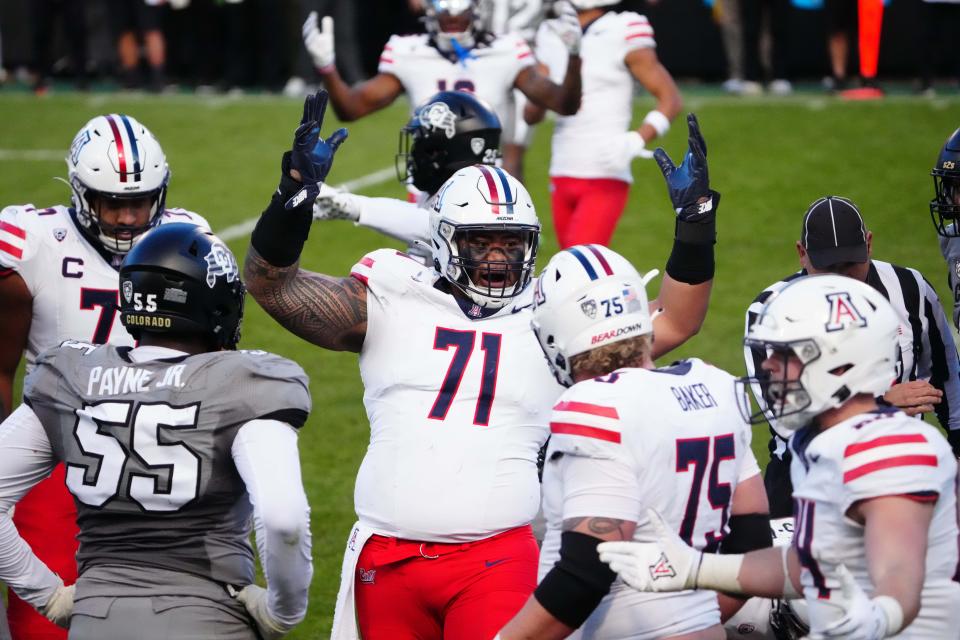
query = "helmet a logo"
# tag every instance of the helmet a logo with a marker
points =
(477, 145)
(78, 144)
(589, 308)
(437, 116)
(127, 289)
(220, 262)
(843, 313)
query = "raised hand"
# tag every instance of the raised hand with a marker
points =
(312, 156)
(668, 564)
(566, 25)
(689, 184)
(319, 42)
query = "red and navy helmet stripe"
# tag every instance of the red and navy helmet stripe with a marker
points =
(585, 260)
(122, 148)
(496, 199)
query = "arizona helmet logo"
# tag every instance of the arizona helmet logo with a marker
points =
(843, 313)
(220, 262)
(439, 117)
(60, 234)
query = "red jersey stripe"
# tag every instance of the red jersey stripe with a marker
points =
(14, 230)
(366, 261)
(359, 276)
(6, 247)
(640, 35)
(883, 441)
(385, 59)
(524, 55)
(889, 463)
(586, 407)
(584, 430)
(636, 23)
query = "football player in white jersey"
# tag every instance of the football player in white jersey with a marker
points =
(456, 390)
(592, 149)
(874, 552)
(627, 436)
(58, 281)
(455, 55)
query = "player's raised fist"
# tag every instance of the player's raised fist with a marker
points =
(689, 184)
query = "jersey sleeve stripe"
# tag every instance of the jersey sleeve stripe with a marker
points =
(525, 54)
(362, 278)
(646, 36)
(570, 428)
(637, 23)
(889, 463)
(6, 247)
(386, 60)
(884, 441)
(922, 496)
(13, 229)
(366, 261)
(586, 407)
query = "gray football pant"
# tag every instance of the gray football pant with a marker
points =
(159, 618)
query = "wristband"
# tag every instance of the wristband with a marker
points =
(719, 573)
(789, 591)
(280, 234)
(691, 263)
(659, 122)
(893, 612)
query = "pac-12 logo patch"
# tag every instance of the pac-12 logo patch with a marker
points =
(220, 262)
(127, 289)
(60, 233)
(843, 313)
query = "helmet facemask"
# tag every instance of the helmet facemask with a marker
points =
(788, 401)
(945, 207)
(490, 264)
(115, 238)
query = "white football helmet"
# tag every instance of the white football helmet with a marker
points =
(845, 334)
(588, 296)
(114, 156)
(473, 203)
(442, 10)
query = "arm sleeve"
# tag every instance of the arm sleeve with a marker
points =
(404, 221)
(950, 248)
(26, 458)
(942, 363)
(265, 454)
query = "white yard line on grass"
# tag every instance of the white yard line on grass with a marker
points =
(33, 155)
(244, 228)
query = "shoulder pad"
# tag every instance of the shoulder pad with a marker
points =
(389, 271)
(20, 234)
(585, 423)
(276, 386)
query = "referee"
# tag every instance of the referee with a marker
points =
(834, 239)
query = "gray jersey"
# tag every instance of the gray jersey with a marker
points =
(950, 248)
(147, 448)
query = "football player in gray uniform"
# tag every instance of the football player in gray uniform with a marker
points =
(172, 449)
(945, 211)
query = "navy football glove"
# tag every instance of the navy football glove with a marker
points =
(689, 184)
(312, 156)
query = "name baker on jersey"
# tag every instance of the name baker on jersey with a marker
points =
(110, 381)
(694, 397)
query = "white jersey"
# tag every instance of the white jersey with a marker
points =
(458, 408)
(73, 284)
(881, 453)
(489, 71)
(591, 143)
(671, 439)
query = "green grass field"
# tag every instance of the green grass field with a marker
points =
(768, 157)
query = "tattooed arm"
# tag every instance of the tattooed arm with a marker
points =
(603, 528)
(327, 311)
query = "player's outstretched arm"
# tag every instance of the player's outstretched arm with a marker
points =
(349, 103)
(685, 292)
(646, 68)
(327, 311)
(563, 98)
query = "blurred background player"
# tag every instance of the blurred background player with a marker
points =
(835, 239)
(176, 449)
(945, 212)
(875, 548)
(455, 54)
(450, 131)
(468, 315)
(58, 281)
(623, 437)
(592, 150)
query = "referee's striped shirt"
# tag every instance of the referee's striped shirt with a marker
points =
(926, 342)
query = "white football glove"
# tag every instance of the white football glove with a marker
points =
(254, 599)
(636, 146)
(60, 606)
(863, 618)
(334, 204)
(669, 564)
(566, 26)
(319, 42)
